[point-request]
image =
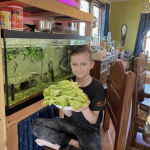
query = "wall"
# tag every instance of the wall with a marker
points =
(125, 12)
(128, 12)
(148, 67)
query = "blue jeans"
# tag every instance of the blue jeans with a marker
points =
(60, 131)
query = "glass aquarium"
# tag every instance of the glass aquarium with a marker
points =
(32, 62)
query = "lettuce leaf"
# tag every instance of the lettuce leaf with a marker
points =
(46, 92)
(65, 93)
(76, 105)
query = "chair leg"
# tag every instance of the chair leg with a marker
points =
(135, 131)
(131, 135)
(140, 130)
(106, 120)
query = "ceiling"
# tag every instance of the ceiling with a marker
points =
(119, 0)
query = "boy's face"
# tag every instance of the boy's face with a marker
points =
(81, 64)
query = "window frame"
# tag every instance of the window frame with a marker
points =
(98, 25)
(78, 25)
(100, 5)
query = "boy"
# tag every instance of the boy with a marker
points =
(79, 129)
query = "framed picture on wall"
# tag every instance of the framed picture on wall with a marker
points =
(123, 33)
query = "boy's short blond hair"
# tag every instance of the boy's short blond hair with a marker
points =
(81, 49)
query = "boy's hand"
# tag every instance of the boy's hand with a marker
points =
(83, 108)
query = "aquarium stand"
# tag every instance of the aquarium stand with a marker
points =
(23, 105)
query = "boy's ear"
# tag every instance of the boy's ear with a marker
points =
(92, 64)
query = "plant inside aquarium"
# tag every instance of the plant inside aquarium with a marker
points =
(35, 54)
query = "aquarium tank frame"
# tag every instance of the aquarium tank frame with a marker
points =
(30, 35)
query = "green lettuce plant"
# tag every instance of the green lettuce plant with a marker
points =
(35, 54)
(65, 93)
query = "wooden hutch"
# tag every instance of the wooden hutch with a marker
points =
(101, 68)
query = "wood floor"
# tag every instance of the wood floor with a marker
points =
(108, 139)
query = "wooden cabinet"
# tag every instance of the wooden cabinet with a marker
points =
(121, 56)
(103, 77)
(104, 66)
(101, 69)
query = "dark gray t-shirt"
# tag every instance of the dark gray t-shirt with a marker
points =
(95, 93)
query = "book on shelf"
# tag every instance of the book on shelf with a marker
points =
(145, 105)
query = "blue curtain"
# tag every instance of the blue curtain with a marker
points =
(144, 27)
(26, 140)
(105, 22)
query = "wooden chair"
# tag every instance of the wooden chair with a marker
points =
(48, 148)
(138, 117)
(118, 101)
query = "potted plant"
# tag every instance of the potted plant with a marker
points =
(94, 23)
(117, 45)
(103, 41)
(109, 45)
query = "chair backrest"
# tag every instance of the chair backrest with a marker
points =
(140, 64)
(118, 100)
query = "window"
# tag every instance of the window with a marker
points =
(96, 13)
(83, 7)
(72, 25)
(147, 44)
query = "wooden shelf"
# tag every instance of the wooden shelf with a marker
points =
(24, 113)
(40, 10)
(44, 9)
(39, 35)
